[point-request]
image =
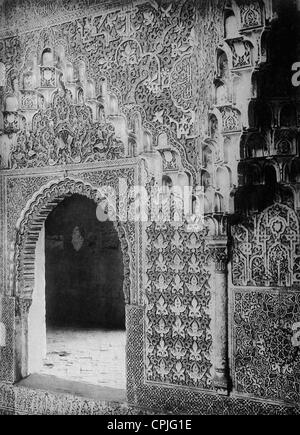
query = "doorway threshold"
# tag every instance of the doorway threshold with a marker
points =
(56, 385)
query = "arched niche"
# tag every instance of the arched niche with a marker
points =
(28, 233)
(212, 226)
(163, 141)
(256, 146)
(132, 145)
(183, 179)
(147, 142)
(286, 173)
(13, 82)
(251, 199)
(1, 124)
(30, 74)
(223, 179)
(252, 115)
(271, 175)
(221, 94)
(214, 126)
(112, 105)
(286, 195)
(80, 96)
(262, 115)
(295, 171)
(223, 70)
(69, 72)
(11, 103)
(167, 183)
(102, 89)
(29, 80)
(81, 72)
(219, 203)
(60, 55)
(255, 86)
(90, 90)
(208, 155)
(231, 25)
(288, 116)
(208, 202)
(48, 58)
(206, 179)
(249, 174)
(228, 150)
(265, 46)
(100, 114)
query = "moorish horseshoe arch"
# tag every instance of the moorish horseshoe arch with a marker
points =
(28, 230)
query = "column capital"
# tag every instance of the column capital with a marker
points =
(218, 248)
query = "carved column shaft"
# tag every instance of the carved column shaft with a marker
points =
(2, 327)
(22, 311)
(219, 259)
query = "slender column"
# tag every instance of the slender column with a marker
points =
(219, 259)
(2, 327)
(22, 311)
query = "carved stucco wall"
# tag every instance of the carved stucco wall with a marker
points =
(39, 196)
(265, 305)
(178, 319)
(157, 60)
(264, 293)
(144, 54)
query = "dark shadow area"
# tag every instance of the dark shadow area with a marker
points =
(271, 144)
(84, 268)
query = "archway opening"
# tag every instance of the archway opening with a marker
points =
(77, 319)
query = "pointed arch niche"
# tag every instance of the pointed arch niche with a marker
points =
(30, 288)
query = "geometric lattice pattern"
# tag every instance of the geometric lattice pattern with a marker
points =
(266, 353)
(7, 352)
(266, 252)
(178, 298)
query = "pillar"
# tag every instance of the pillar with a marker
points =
(219, 260)
(21, 325)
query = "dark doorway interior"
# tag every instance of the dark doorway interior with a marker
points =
(85, 307)
(84, 269)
